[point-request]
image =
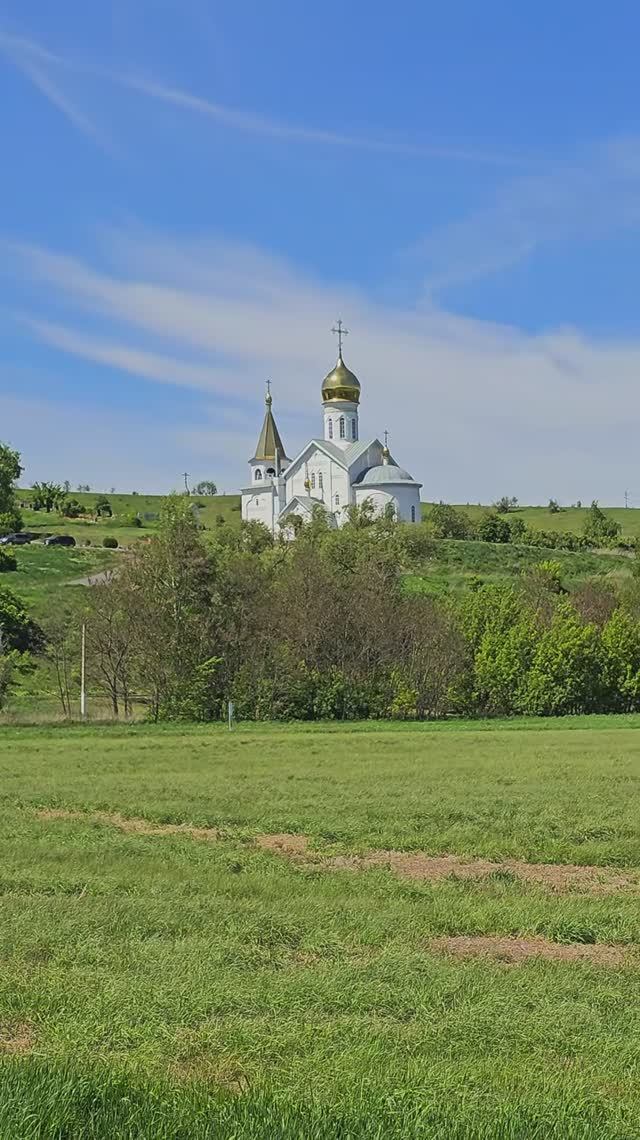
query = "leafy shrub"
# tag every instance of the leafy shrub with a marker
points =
(131, 520)
(447, 522)
(110, 542)
(71, 509)
(8, 560)
(492, 528)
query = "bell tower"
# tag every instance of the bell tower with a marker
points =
(340, 399)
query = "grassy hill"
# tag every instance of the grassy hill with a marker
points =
(227, 507)
(91, 531)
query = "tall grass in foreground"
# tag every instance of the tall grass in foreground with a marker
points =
(42, 1101)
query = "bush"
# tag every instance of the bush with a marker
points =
(110, 542)
(447, 522)
(8, 560)
(493, 528)
(131, 520)
(71, 509)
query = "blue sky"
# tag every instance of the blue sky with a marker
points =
(192, 192)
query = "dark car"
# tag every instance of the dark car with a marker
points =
(60, 540)
(15, 539)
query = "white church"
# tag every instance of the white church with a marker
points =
(336, 471)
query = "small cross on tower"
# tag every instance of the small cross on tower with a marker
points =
(268, 396)
(340, 332)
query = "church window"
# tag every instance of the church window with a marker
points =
(320, 481)
(313, 480)
(353, 429)
(337, 499)
(258, 474)
(330, 429)
(342, 431)
(271, 471)
(413, 514)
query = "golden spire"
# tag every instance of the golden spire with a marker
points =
(341, 383)
(269, 443)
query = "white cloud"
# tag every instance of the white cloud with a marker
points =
(587, 195)
(474, 409)
(25, 53)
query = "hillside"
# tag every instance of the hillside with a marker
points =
(227, 507)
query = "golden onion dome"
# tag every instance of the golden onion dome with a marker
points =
(341, 384)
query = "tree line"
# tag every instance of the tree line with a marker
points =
(324, 627)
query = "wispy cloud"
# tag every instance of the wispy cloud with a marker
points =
(36, 63)
(584, 196)
(24, 53)
(470, 401)
(253, 123)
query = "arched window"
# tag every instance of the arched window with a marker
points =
(320, 481)
(330, 429)
(337, 499)
(313, 480)
(258, 474)
(271, 471)
(354, 433)
(342, 432)
(413, 514)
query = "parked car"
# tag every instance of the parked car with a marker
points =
(60, 540)
(15, 539)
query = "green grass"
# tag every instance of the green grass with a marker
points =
(182, 988)
(44, 572)
(567, 519)
(455, 562)
(83, 529)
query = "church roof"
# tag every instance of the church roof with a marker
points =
(344, 456)
(341, 383)
(269, 440)
(384, 473)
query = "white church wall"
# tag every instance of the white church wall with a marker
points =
(404, 499)
(259, 507)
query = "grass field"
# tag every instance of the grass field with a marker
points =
(163, 982)
(228, 507)
(123, 506)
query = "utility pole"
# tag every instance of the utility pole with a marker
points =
(83, 663)
(185, 476)
(626, 498)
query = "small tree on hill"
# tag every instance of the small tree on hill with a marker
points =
(492, 528)
(505, 504)
(599, 529)
(10, 471)
(48, 497)
(205, 487)
(554, 506)
(103, 508)
(447, 522)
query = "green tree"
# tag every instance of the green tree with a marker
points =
(10, 471)
(505, 504)
(447, 522)
(103, 508)
(566, 672)
(621, 661)
(502, 667)
(17, 629)
(600, 529)
(48, 496)
(205, 487)
(553, 507)
(493, 528)
(71, 509)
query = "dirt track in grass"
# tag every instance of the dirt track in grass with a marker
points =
(516, 950)
(135, 826)
(556, 877)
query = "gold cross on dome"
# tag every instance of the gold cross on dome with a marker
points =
(340, 332)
